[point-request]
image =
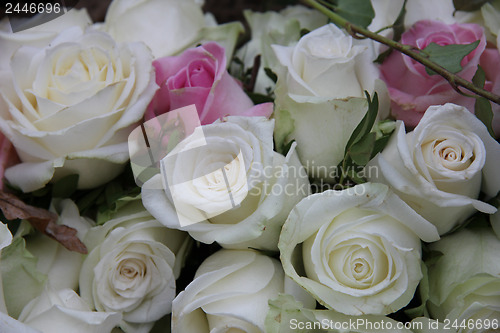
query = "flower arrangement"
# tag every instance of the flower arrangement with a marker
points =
(334, 169)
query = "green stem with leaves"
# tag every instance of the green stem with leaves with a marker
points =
(355, 30)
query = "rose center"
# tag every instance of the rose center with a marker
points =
(451, 154)
(228, 173)
(360, 268)
(129, 269)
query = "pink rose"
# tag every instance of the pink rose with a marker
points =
(199, 76)
(412, 90)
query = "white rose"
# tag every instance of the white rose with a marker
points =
(58, 311)
(230, 292)
(360, 248)
(438, 168)
(61, 265)
(320, 94)
(465, 280)
(281, 28)
(132, 267)
(320, 57)
(71, 106)
(9, 324)
(387, 11)
(166, 26)
(40, 35)
(228, 185)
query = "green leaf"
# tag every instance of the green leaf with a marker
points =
(88, 200)
(398, 27)
(359, 12)
(259, 98)
(109, 212)
(269, 72)
(112, 192)
(65, 186)
(483, 111)
(303, 32)
(479, 77)
(21, 279)
(448, 56)
(365, 125)
(380, 145)
(361, 151)
(469, 5)
(482, 107)
(355, 177)
(285, 125)
(176, 136)
(423, 293)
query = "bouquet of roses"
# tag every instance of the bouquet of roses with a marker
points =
(333, 169)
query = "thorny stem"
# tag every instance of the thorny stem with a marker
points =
(355, 30)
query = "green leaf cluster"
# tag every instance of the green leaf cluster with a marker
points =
(102, 202)
(365, 142)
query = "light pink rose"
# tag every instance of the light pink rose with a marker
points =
(199, 76)
(8, 157)
(412, 90)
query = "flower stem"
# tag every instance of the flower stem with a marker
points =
(355, 30)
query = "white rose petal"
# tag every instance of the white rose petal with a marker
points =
(440, 167)
(465, 280)
(170, 26)
(321, 84)
(71, 105)
(280, 28)
(230, 291)
(40, 35)
(61, 266)
(243, 205)
(63, 310)
(132, 267)
(9, 324)
(360, 249)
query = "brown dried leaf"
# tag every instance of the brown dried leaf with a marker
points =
(42, 220)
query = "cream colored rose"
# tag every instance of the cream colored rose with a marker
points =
(132, 267)
(62, 311)
(229, 293)
(171, 25)
(280, 28)
(464, 282)
(320, 95)
(40, 35)
(71, 106)
(224, 183)
(440, 167)
(360, 248)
